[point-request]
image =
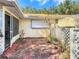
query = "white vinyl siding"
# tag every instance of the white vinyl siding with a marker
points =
(1, 19)
(2, 31)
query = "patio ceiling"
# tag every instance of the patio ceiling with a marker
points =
(13, 7)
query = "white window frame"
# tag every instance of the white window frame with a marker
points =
(38, 24)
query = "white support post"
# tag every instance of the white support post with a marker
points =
(11, 29)
(3, 29)
(71, 42)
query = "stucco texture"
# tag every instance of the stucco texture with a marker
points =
(25, 25)
(66, 22)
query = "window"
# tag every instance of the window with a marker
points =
(39, 24)
(15, 26)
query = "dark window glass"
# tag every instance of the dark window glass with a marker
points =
(15, 26)
(7, 31)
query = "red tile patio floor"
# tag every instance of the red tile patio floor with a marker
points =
(32, 49)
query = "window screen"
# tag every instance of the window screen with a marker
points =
(15, 26)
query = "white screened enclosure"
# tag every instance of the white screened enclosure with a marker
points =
(9, 30)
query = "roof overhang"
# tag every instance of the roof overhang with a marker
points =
(6, 3)
(13, 7)
(46, 16)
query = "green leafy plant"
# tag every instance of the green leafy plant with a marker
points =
(63, 45)
(52, 38)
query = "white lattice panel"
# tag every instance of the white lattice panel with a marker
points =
(74, 43)
(66, 36)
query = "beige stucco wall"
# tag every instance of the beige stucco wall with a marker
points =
(25, 25)
(66, 22)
